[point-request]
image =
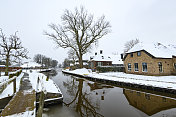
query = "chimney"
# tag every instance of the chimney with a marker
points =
(95, 53)
(122, 56)
(101, 51)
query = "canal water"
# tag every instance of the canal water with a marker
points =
(84, 98)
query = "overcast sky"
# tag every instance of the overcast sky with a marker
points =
(147, 20)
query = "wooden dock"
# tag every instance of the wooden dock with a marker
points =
(23, 102)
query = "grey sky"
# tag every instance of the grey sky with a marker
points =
(147, 20)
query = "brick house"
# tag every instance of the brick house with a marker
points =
(99, 60)
(151, 59)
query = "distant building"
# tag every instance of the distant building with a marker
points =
(31, 65)
(151, 59)
(85, 64)
(11, 68)
(99, 59)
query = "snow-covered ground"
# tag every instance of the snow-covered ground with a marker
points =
(49, 85)
(24, 114)
(9, 89)
(156, 81)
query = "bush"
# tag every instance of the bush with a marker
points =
(110, 69)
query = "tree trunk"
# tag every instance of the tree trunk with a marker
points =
(7, 66)
(79, 104)
(80, 62)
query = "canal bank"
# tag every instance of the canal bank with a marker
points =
(107, 100)
(128, 82)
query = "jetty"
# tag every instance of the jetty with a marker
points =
(35, 88)
(23, 103)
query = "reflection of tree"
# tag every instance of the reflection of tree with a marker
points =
(83, 105)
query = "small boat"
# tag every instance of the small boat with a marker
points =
(51, 98)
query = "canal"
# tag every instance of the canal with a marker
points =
(84, 98)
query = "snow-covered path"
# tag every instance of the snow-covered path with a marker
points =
(155, 81)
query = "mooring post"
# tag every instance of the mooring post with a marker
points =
(41, 104)
(14, 86)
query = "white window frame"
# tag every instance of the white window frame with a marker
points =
(138, 53)
(136, 70)
(129, 68)
(143, 67)
(99, 64)
(160, 67)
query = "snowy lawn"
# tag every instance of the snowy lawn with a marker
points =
(9, 89)
(156, 81)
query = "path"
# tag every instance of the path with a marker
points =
(23, 103)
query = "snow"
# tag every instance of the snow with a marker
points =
(101, 57)
(24, 114)
(156, 49)
(156, 81)
(31, 64)
(9, 89)
(116, 59)
(49, 86)
(3, 78)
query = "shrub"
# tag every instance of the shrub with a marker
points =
(110, 69)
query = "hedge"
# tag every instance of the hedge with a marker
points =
(110, 69)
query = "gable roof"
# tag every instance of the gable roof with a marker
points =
(101, 57)
(157, 50)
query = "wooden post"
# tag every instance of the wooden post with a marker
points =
(41, 104)
(14, 86)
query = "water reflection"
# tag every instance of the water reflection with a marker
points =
(82, 102)
(88, 98)
(150, 104)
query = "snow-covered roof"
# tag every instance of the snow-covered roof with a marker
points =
(156, 49)
(31, 64)
(116, 59)
(101, 57)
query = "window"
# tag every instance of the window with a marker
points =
(129, 66)
(131, 54)
(138, 53)
(144, 67)
(136, 67)
(160, 67)
(147, 96)
(107, 64)
(175, 66)
(99, 64)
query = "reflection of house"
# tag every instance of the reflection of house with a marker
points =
(100, 60)
(96, 86)
(148, 103)
(151, 59)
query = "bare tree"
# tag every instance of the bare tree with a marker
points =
(11, 49)
(130, 44)
(78, 31)
(45, 61)
(72, 56)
